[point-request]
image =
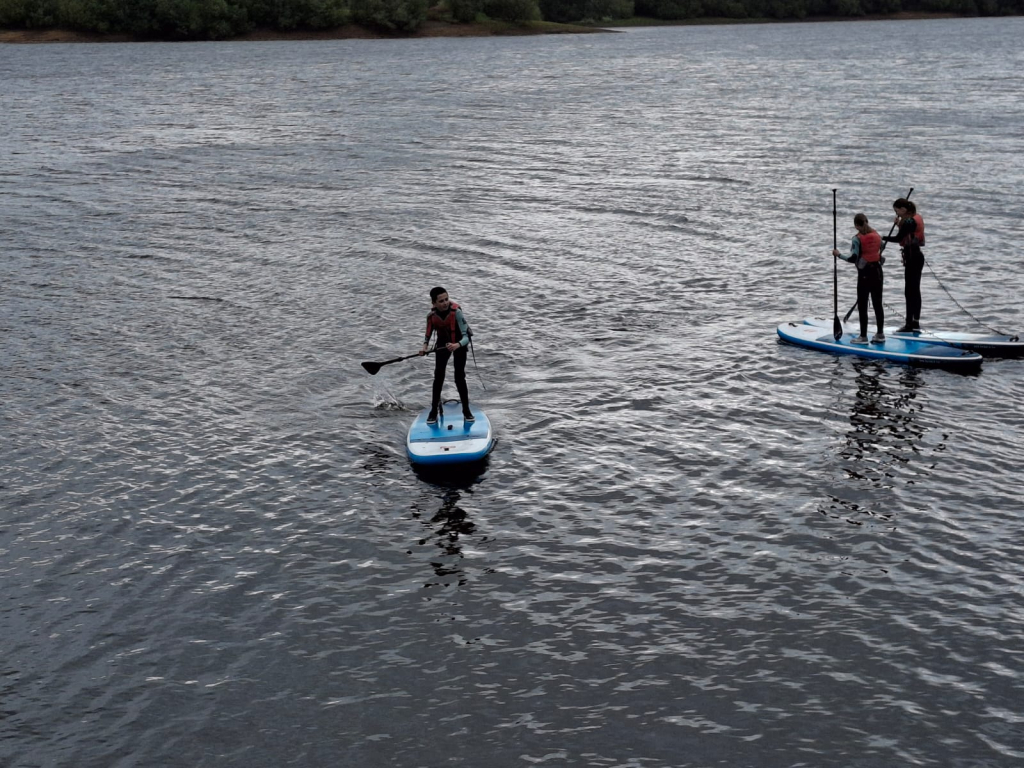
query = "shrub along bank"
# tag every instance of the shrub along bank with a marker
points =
(220, 19)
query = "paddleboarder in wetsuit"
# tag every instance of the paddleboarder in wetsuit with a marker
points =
(866, 253)
(910, 236)
(448, 322)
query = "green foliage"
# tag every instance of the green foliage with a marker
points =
(390, 15)
(787, 9)
(297, 14)
(568, 11)
(176, 19)
(464, 11)
(28, 14)
(846, 8)
(882, 6)
(622, 9)
(674, 10)
(728, 9)
(103, 16)
(193, 19)
(964, 7)
(670, 10)
(12, 13)
(212, 19)
(513, 11)
(562, 11)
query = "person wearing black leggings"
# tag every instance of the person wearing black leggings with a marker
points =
(453, 335)
(866, 253)
(910, 236)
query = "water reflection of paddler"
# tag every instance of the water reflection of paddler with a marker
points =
(449, 523)
(866, 253)
(885, 416)
(885, 432)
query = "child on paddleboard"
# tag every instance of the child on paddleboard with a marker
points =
(447, 321)
(866, 253)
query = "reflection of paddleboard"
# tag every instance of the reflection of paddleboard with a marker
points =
(985, 344)
(897, 349)
(451, 440)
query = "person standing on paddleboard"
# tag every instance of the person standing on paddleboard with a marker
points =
(448, 322)
(866, 253)
(910, 236)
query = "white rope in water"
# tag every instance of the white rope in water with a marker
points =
(962, 308)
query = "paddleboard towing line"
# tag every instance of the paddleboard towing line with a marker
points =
(963, 309)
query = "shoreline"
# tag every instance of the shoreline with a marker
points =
(429, 29)
(436, 28)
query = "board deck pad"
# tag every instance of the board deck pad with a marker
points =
(895, 349)
(451, 440)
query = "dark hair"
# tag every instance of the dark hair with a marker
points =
(435, 292)
(860, 220)
(904, 203)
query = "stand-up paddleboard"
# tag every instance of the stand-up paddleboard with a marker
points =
(894, 349)
(451, 440)
(985, 344)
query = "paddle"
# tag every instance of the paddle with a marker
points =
(372, 368)
(880, 252)
(837, 327)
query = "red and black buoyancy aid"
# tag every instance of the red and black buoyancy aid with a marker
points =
(870, 246)
(447, 327)
(917, 236)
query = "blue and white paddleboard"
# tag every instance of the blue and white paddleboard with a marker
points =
(985, 344)
(451, 440)
(895, 349)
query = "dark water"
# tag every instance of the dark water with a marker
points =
(692, 546)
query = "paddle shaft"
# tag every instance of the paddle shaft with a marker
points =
(880, 252)
(837, 327)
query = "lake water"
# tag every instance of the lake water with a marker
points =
(692, 546)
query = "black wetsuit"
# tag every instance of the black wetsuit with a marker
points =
(913, 266)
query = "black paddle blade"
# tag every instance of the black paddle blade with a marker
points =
(372, 368)
(837, 328)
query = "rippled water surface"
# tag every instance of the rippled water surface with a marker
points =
(693, 546)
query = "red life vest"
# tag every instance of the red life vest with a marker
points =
(917, 238)
(870, 246)
(447, 327)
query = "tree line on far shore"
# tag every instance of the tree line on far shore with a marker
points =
(221, 19)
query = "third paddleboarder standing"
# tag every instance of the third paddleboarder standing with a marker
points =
(447, 321)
